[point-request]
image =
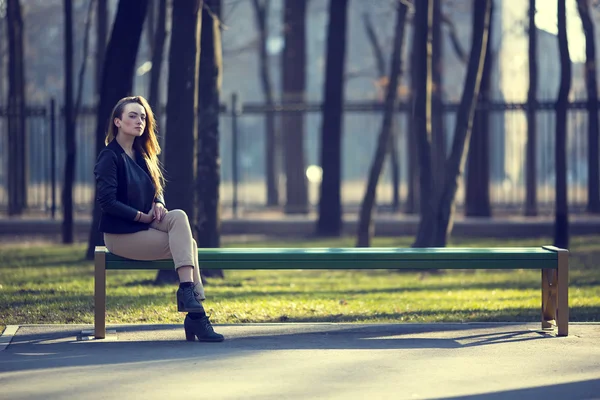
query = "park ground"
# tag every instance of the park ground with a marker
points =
(48, 283)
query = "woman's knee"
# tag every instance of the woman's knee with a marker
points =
(178, 214)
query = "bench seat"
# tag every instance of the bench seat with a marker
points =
(552, 261)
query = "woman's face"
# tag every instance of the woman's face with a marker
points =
(133, 120)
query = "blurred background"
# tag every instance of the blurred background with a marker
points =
(279, 96)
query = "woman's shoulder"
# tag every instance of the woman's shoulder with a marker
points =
(107, 158)
(110, 150)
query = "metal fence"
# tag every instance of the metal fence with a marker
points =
(243, 155)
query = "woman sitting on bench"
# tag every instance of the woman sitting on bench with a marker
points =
(134, 221)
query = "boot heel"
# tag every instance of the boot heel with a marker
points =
(190, 336)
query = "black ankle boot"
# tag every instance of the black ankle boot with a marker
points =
(202, 329)
(186, 300)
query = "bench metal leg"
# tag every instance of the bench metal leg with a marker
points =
(549, 278)
(555, 293)
(100, 293)
(563, 293)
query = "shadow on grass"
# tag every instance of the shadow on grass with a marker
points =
(507, 315)
(250, 293)
(36, 262)
(56, 306)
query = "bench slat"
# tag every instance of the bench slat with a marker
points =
(336, 264)
(367, 255)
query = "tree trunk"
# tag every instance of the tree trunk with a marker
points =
(421, 124)
(365, 225)
(17, 134)
(412, 195)
(440, 220)
(117, 82)
(294, 91)
(478, 170)
(150, 25)
(482, 11)
(158, 48)
(182, 113)
(561, 227)
(393, 148)
(330, 202)
(261, 13)
(67, 193)
(591, 83)
(3, 57)
(101, 35)
(83, 67)
(95, 238)
(438, 137)
(531, 162)
(208, 174)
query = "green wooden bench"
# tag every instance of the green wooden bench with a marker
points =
(553, 263)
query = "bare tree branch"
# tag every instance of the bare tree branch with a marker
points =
(460, 52)
(378, 52)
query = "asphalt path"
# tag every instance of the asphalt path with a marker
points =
(302, 361)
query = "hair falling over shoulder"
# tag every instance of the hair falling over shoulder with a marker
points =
(147, 144)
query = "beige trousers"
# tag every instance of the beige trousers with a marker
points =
(170, 238)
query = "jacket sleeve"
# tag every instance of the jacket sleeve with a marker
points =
(106, 187)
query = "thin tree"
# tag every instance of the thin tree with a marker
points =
(561, 212)
(17, 135)
(3, 49)
(101, 36)
(437, 211)
(83, 66)
(477, 193)
(417, 103)
(117, 81)
(150, 22)
(531, 162)
(482, 15)
(182, 113)
(71, 113)
(158, 47)
(261, 17)
(421, 116)
(330, 203)
(208, 173)
(591, 84)
(381, 72)
(67, 190)
(293, 83)
(365, 225)
(438, 137)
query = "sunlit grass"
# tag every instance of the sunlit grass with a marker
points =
(53, 284)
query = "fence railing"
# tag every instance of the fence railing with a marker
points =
(242, 141)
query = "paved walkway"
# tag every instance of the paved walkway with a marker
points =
(303, 361)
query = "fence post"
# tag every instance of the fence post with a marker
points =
(234, 152)
(53, 155)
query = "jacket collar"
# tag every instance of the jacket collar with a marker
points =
(116, 147)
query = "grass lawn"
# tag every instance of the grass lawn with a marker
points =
(53, 284)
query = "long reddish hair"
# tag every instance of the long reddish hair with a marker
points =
(147, 144)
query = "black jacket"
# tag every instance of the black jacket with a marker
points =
(123, 187)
